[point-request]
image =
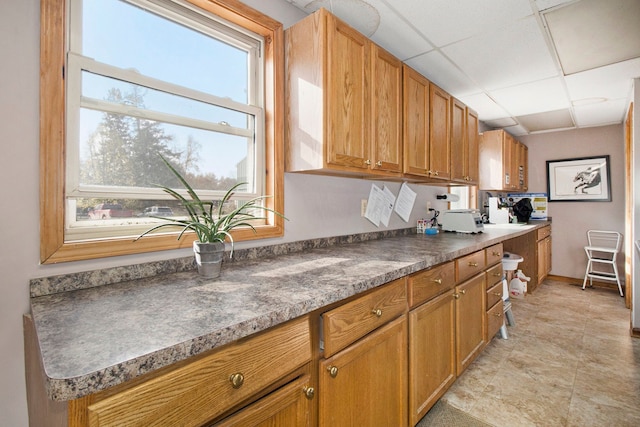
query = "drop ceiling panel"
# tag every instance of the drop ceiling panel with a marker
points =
(445, 21)
(611, 82)
(442, 72)
(544, 95)
(486, 107)
(605, 113)
(548, 120)
(510, 55)
(396, 35)
(590, 33)
(548, 4)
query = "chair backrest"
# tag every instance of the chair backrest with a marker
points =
(605, 239)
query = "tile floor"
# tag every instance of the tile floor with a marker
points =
(568, 361)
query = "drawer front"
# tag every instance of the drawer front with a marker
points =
(495, 319)
(470, 265)
(353, 320)
(494, 294)
(494, 254)
(199, 391)
(544, 232)
(424, 285)
(494, 275)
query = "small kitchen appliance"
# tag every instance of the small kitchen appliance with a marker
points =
(462, 221)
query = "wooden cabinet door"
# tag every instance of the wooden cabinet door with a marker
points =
(289, 406)
(439, 127)
(347, 99)
(415, 89)
(386, 106)
(366, 383)
(543, 258)
(470, 320)
(473, 142)
(508, 178)
(432, 362)
(459, 151)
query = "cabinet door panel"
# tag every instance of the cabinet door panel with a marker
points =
(439, 144)
(370, 383)
(432, 363)
(348, 95)
(459, 152)
(473, 143)
(470, 320)
(495, 319)
(416, 122)
(386, 119)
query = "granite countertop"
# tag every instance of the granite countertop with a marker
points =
(95, 337)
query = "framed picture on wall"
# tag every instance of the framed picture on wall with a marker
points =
(586, 179)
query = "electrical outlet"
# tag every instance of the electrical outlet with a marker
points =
(363, 207)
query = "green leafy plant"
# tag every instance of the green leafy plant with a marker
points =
(210, 224)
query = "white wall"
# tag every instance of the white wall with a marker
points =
(571, 220)
(316, 206)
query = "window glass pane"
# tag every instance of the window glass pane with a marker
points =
(125, 93)
(128, 37)
(121, 150)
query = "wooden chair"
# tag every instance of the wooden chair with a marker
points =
(602, 250)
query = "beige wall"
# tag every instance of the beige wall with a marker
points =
(571, 220)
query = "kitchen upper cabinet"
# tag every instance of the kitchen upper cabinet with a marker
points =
(427, 149)
(502, 162)
(343, 101)
(439, 128)
(464, 144)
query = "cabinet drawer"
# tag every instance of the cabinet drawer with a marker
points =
(494, 294)
(202, 390)
(544, 232)
(426, 284)
(495, 319)
(353, 320)
(494, 275)
(470, 265)
(494, 254)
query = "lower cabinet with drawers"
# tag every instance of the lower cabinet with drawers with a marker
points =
(383, 357)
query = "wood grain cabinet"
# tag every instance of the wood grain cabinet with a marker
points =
(212, 386)
(344, 101)
(543, 253)
(464, 144)
(495, 303)
(502, 162)
(470, 320)
(362, 378)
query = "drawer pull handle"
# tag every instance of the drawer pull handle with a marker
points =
(333, 371)
(379, 163)
(496, 253)
(473, 264)
(236, 380)
(463, 291)
(456, 296)
(498, 294)
(367, 162)
(497, 274)
(438, 281)
(309, 392)
(377, 312)
(498, 314)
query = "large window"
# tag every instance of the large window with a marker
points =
(139, 79)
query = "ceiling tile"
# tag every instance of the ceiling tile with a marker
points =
(605, 113)
(486, 107)
(516, 130)
(445, 21)
(611, 81)
(588, 34)
(443, 73)
(548, 120)
(548, 4)
(513, 54)
(501, 123)
(544, 95)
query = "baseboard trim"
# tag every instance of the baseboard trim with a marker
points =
(578, 282)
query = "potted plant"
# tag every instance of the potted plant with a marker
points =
(212, 226)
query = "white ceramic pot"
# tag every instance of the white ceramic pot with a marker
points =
(208, 258)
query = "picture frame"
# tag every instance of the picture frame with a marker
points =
(585, 179)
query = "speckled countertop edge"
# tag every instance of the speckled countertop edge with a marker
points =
(95, 337)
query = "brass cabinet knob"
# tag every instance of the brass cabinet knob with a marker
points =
(496, 253)
(309, 392)
(498, 294)
(430, 172)
(497, 274)
(379, 163)
(498, 314)
(436, 173)
(473, 264)
(236, 380)
(463, 291)
(377, 312)
(333, 371)
(438, 281)
(456, 296)
(367, 162)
